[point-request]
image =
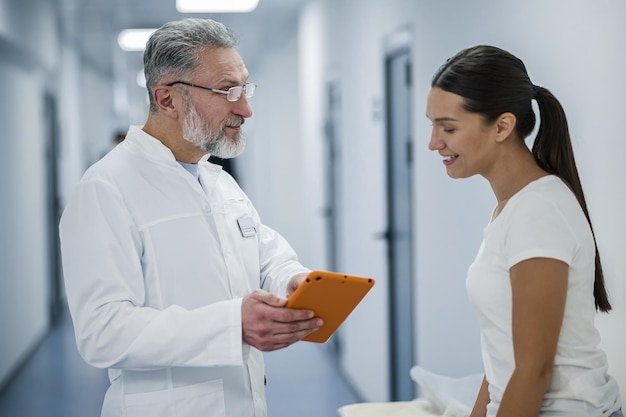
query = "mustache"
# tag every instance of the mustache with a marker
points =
(234, 122)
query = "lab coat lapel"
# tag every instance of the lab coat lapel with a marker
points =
(208, 173)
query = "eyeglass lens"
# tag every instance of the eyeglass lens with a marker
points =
(235, 92)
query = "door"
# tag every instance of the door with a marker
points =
(332, 187)
(56, 297)
(399, 219)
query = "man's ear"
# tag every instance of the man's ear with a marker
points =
(165, 100)
(505, 125)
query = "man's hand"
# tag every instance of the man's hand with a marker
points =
(295, 282)
(268, 325)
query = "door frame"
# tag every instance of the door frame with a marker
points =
(400, 242)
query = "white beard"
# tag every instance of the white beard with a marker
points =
(212, 141)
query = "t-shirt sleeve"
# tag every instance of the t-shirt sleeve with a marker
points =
(538, 229)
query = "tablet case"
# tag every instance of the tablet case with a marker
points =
(331, 296)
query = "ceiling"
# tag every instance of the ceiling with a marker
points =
(98, 22)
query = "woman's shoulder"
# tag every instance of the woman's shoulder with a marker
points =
(549, 190)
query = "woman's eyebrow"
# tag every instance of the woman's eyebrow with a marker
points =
(445, 119)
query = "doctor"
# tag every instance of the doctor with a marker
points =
(172, 280)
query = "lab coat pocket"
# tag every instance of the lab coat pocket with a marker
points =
(206, 398)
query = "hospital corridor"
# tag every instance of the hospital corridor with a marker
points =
(302, 380)
(341, 160)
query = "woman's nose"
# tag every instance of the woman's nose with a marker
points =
(435, 144)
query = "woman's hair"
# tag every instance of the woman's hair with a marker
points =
(492, 81)
(174, 49)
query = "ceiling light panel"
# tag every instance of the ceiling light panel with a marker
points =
(216, 6)
(134, 39)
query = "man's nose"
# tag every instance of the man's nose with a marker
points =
(242, 107)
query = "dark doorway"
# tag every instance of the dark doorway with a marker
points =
(56, 298)
(399, 218)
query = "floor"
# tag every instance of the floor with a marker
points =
(302, 381)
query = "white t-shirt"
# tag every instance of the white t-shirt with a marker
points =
(544, 219)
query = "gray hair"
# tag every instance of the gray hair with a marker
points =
(174, 49)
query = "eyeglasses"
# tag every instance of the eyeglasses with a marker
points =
(232, 94)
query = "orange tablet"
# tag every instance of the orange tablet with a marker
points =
(332, 296)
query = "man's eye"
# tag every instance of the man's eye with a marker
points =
(449, 130)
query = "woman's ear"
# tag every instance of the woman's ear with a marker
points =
(505, 125)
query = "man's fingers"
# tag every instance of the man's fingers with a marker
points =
(295, 282)
(288, 315)
(271, 307)
(268, 325)
(296, 327)
(269, 298)
(282, 340)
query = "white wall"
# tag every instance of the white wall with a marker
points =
(38, 59)
(71, 159)
(23, 248)
(272, 168)
(97, 116)
(595, 67)
(24, 262)
(353, 42)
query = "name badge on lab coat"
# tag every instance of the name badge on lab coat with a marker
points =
(246, 226)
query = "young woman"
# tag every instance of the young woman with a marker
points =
(536, 281)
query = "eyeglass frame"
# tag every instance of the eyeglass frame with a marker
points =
(242, 89)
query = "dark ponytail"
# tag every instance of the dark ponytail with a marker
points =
(493, 81)
(553, 152)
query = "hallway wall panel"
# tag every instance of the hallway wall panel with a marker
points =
(24, 263)
(29, 58)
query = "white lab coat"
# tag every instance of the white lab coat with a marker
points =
(155, 268)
